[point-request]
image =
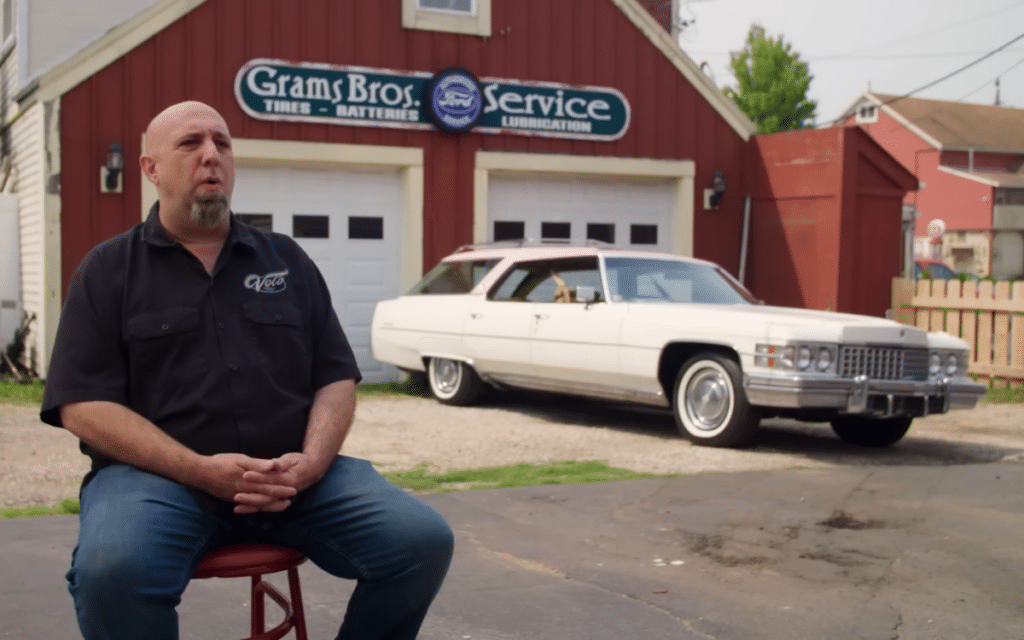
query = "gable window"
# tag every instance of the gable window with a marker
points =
(867, 114)
(453, 16)
(465, 7)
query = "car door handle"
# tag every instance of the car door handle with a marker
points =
(541, 316)
(475, 316)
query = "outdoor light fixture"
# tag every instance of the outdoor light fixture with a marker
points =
(110, 172)
(714, 195)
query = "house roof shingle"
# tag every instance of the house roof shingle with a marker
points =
(961, 125)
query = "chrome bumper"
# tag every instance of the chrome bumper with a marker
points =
(861, 395)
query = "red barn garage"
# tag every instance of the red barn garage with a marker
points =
(382, 135)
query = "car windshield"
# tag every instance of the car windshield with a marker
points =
(657, 280)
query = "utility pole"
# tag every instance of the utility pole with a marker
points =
(997, 92)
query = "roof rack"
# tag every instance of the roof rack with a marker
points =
(532, 242)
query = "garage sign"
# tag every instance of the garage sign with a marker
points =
(453, 100)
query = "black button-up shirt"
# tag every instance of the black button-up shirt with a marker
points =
(223, 364)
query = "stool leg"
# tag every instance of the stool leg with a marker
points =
(258, 616)
(297, 606)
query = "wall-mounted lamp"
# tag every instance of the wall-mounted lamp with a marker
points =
(111, 171)
(714, 195)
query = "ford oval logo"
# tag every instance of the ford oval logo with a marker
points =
(455, 99)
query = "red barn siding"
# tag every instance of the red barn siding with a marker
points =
(571, 41)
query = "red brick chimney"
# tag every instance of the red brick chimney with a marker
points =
(662, 12)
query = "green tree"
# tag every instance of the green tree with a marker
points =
(771, 84)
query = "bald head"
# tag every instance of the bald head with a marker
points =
(171, 117)
(188, 157)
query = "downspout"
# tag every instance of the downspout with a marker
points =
(743, 241)
(970, 159)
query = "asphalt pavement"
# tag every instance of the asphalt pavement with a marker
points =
(859, 552)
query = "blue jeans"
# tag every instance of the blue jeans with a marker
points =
(141, 536)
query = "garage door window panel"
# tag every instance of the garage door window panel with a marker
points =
(263, 221)
(505, 230)
(305, 226)
(365, 228)
(555, 231)
(643, 234)
(601, 232)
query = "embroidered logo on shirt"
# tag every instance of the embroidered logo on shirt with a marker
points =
(270, 283)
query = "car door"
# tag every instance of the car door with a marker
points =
(497, 330)
(574, 344)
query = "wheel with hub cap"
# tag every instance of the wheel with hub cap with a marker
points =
(454, 382)
(709, 404)
(871, 432)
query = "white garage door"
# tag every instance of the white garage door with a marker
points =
(349, 222)
(635, 213)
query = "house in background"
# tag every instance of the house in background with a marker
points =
(969, 162)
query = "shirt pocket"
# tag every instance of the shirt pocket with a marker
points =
(279, 339)
(165, 346)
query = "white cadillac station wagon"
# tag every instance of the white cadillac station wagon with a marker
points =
(667, 331)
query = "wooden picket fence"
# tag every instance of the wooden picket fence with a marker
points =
(989, 316)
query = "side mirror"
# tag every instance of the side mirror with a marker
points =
(586, 294)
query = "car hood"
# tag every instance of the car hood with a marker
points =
(781, 323)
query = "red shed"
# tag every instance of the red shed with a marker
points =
(826, 220)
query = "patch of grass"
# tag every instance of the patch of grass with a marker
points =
(67, 506)
(996, 396)
(518, 475)
(17, 393)
(413, 386)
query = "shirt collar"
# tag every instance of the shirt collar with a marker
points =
(154, 233)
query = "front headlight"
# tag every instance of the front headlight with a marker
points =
(803, 358)
(824, 359)
(934, 364)
(774, 357)
(952, 364)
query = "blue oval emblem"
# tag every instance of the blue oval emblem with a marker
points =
(455, 99)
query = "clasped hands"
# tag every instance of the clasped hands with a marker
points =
(256, 484)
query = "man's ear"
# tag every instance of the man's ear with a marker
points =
(148, 165)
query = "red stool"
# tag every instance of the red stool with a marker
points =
(256, 560)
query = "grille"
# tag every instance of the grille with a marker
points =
(883, 363)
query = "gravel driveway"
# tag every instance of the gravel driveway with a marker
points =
(40, 465)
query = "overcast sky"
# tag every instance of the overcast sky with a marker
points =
(889, 46)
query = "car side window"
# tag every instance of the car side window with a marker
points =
(549, 280)
(453, 277)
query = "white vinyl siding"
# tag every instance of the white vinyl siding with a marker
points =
(27, 137)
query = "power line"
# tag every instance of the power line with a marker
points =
(902, 40)
(990, 80)
(905, 56)
(960, 70)
(929, 32)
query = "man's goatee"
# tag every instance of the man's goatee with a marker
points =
(209, 211)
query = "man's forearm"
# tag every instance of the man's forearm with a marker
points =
(330, 418)
(123, 435)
